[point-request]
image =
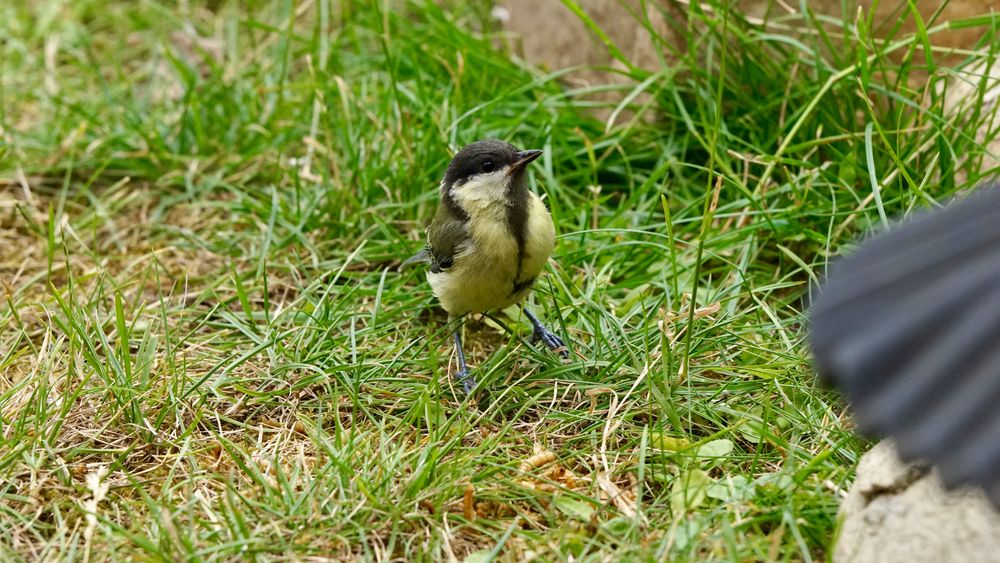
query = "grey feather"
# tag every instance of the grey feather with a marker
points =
(423, 256)
(447, 234)
(446, 237)
(908, 326)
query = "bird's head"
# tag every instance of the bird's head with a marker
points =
(488, 171)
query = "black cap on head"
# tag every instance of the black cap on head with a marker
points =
(481, 157)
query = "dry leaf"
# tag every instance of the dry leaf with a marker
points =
(703, 312)
(537, 460)
(469, 503)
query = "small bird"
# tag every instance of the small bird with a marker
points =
(489, 240)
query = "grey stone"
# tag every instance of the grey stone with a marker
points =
(899, 512)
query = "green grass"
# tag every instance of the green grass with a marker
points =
(202, 207)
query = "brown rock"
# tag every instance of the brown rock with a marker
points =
(549, 35)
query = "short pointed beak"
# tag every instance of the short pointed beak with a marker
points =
(523, 159)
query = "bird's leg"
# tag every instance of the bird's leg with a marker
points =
(545, 335)
(463, 376)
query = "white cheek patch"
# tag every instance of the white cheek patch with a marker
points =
(484, 187)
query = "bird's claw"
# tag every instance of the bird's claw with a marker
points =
(551, 340)
(465, 378)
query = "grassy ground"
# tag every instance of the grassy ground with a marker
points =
(206, 350)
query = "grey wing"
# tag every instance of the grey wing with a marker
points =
(423, 256)
(907, 326)
(446, 237)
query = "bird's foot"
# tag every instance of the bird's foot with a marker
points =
(550, 339)
(465, 378)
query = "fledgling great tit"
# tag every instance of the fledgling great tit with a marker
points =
(489, 240)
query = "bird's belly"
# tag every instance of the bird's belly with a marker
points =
(482, 278)
(490, 274)
(473, 290)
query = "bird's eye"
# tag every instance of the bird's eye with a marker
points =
(487, 166)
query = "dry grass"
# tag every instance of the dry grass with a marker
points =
(206, 351)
